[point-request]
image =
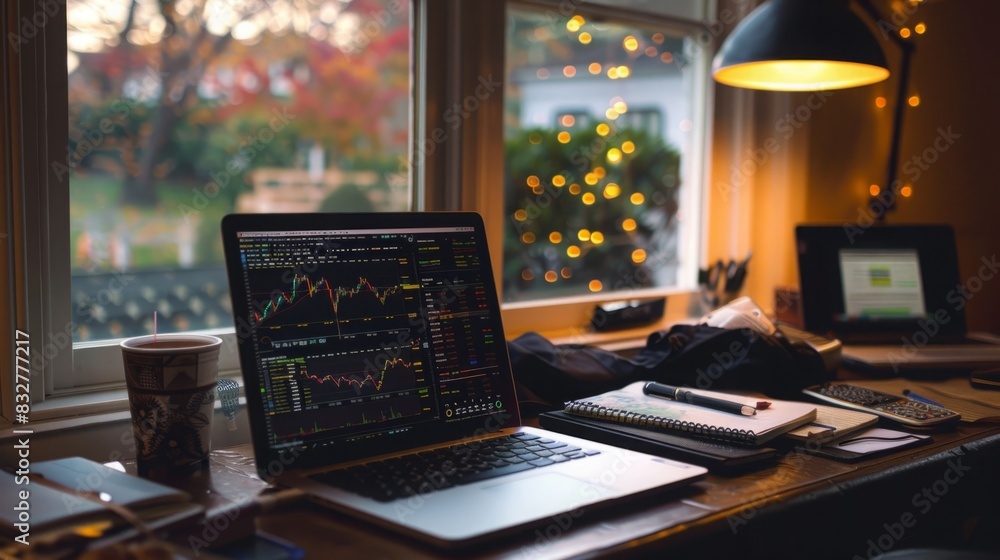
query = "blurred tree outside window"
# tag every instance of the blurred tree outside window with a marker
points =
(601, 144)
(181, 111)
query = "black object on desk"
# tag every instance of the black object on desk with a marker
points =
(684, 395)
(624, 314)
(986, 379)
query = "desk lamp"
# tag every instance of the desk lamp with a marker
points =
(808, 45)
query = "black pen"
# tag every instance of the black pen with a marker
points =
(684, 395)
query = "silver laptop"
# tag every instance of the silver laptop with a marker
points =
(893, 295)
(377, 380)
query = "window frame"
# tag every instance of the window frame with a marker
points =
(453, 46)
(569, 317)
(44, 233)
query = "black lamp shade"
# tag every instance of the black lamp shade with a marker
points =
(800, 45)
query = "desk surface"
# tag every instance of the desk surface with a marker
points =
(799, 504)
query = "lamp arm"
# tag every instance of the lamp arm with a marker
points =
(897, 123)
(899, 110)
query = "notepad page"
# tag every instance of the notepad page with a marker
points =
(832, 422)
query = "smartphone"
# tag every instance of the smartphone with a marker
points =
(986, 379)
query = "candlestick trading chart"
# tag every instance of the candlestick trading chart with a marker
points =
(368, 334)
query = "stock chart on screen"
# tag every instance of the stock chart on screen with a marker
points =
(362, 333)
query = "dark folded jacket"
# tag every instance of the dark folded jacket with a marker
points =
(696, 356)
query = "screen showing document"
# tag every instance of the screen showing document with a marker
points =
(881, 284)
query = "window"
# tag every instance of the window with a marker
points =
(179, 112)
(603, 126)
(182, 112)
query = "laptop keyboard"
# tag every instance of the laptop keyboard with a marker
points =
(465, 463)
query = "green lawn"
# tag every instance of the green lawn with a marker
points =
(152, 232)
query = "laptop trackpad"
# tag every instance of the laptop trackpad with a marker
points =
(546, 491)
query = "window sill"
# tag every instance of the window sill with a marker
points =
(81, 405)
(93, 424)
(98, 426)
(681, 308)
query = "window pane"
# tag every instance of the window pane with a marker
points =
(687, 9)
(600, 140)
(184, 111)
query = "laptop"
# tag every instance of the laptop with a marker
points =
(377, 380)
(892, 295)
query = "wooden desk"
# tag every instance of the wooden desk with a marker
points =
(800, 506)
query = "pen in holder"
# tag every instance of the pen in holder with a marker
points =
(721, 283)
(228, 392)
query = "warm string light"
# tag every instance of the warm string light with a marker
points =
(614, 155)
(913, 101)
(610, 191)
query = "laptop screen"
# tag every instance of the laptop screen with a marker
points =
(360, 337)
(879, 282)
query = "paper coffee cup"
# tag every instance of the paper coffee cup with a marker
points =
(171, 390)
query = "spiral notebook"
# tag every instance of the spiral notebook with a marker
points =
(630, 406)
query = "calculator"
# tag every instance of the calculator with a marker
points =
(894, 407)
